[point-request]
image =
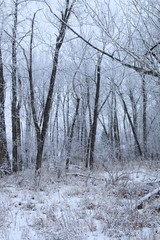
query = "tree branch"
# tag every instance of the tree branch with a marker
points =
(148, 71)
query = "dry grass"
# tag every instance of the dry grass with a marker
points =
(71, 207)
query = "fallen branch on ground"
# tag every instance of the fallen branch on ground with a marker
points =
(140, 204)
(85, 176)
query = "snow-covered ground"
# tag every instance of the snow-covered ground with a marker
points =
(81, 205)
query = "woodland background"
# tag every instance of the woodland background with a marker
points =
(79, 82)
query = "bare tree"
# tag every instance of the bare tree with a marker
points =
(129, 58)
(42, 131)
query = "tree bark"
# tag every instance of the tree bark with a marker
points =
(135, 117)
(4, 157)
(15, 117)
(71, 134)
(93, 130)
(116, 131)
(144, 121)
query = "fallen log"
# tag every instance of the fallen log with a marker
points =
(141, 203)
(84, 175)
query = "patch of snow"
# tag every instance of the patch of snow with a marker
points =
(87, 206)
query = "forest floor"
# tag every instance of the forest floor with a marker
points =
(81, 205)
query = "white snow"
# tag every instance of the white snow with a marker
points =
(89, 206)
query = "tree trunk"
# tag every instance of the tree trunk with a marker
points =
(28, 133)
(93, 130)
(144, 96)
(116, 131)
(55, 128)
(132, 126)
(71, 134)
(40, 145)
(135, 118)
(4, 157)
(15, 112)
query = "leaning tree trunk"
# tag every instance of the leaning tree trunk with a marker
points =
(41, 131)
(135, 117)
(132, 126)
